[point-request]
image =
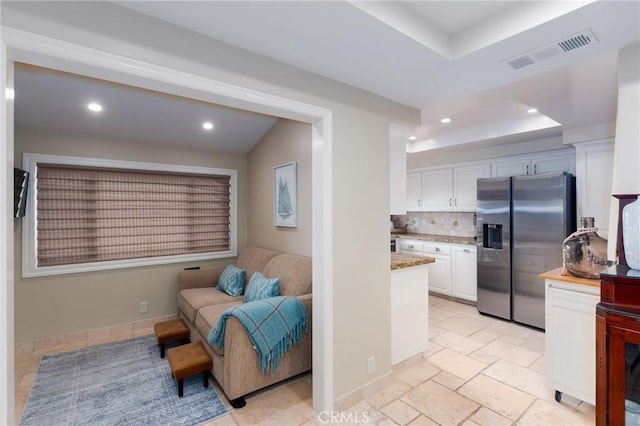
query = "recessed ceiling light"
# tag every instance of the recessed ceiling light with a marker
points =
(95, 107)
(532, 110)
(413, 138)
(445, 120)
(207, 125)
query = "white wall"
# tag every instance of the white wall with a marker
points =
(360, 256)
(626, 173)
(358, 160)
(7, 389)
(286, 141)
(626, 157)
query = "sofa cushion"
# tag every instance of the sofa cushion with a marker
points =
(192, 299)
(294, 271)
(260, 287)
(232, 280)
(207, 317)
(254, 259)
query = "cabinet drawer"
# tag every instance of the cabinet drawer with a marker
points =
(437, 248)
(411, 245)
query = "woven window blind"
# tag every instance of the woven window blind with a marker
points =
(89, 214)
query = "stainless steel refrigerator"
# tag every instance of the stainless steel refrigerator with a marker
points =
(521, 224)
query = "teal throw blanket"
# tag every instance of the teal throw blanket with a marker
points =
(273, 325)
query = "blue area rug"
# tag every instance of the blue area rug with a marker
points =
(120, 383)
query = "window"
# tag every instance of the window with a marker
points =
(88, 214)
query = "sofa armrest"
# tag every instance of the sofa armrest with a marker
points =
(242, 372)
(199, 278)
(235, 329)
(307, 300)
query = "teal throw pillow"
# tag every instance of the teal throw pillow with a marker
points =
(231, 280)
(260, 287)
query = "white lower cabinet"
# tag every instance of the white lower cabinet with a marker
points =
(454, 272)
(440, 271)
(465, 273)
(570, 343)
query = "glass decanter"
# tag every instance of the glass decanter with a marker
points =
(585, 252)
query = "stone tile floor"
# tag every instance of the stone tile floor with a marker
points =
(478, 371)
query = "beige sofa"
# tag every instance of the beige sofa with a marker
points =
(236, 367)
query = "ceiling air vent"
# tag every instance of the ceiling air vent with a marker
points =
(575, 42)
(564, 45)
(520, 62)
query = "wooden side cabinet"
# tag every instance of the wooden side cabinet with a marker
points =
(618, 347)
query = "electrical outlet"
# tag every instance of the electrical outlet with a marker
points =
(371, 365)
(143, 307)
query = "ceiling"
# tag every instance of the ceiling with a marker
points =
(446, 58)
(57, 101)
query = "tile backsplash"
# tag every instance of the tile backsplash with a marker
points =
(455, 224)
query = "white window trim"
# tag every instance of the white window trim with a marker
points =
(29, 253)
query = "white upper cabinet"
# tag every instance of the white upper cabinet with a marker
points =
(397, 168)
(594, 174)
(554, 162)
(452, 189)
(437, 190)
(414, 191)
(465, 186)
(559, 161)
(511, 167)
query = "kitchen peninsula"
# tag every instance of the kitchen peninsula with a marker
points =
(409, 305)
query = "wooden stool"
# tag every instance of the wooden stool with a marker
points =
(170, 331)
(187, 360)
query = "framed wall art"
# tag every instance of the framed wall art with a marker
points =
(285, 195)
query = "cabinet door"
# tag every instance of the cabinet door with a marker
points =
(624, 374)
(465, 273)
(437, 190)
(397, 168)
(414, 191)
(465, 186)
(440, 275)
(569, 332)
(564, 162)
(511, 167)
(594, 171)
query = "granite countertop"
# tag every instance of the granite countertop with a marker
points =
(438, 238)
(399, 261)
(556, 274)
